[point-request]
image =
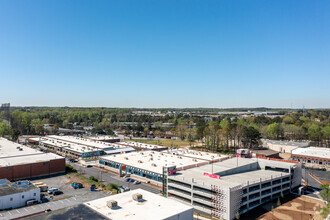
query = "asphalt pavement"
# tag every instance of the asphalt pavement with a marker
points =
(107, 177)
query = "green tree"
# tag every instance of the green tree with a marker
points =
(274, 131)
(5, 129)
(315, 133)
(250, 137)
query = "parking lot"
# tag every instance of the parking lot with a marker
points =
(69, 197)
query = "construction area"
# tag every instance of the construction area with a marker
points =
(301, 208)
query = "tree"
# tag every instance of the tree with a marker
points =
(274, 131)
(250, 137)
(278, 202)
(314, 132)
(15, 134)
(325, 193)
(55, 129)
(237, 215)
(5, 129)
(181, 131)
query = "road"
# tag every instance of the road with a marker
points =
(109, 177)
(309, 179)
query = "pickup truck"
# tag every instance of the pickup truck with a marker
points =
(77, 185)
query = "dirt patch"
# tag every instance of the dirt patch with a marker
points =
(302, 208)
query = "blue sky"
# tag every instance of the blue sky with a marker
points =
(165, 53)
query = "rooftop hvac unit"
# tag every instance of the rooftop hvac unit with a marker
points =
(126, 158)
(140, 161)
(151, 158)
(154, 165)
(112, 204)
(137, 196)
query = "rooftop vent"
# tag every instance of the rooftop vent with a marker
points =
(137, 196)
(112, 204)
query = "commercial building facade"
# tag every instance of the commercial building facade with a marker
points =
(314, 155)
(15, 195)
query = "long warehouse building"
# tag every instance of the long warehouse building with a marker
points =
(78, 147)
(150, 164)
(20, 162)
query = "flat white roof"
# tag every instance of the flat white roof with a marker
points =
(152, 161)
(151, 207)
(83, 141)
(320, 152)
(10, 149)
(195, 154)
(231, 180)
(11, 155)
(101, 137)
(286, 143)
(26, 159)
(141, 145)
(76, 144)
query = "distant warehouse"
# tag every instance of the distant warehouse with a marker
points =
(19, 162)
(315, 155)
(283, 146)
(78, 147)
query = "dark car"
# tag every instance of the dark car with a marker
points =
(88, 166)
(57, 193)
(130, 180)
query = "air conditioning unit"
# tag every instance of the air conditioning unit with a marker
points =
(112, 204)
(137, 196)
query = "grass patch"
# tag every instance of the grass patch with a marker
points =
(88, 181)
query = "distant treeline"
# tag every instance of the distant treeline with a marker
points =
(219, 132)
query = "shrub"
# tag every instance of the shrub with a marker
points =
(93, 179)
(70, 169)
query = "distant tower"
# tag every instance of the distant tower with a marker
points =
(304, 111)
(5, 109)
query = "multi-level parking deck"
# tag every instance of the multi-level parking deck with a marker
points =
(237, 185)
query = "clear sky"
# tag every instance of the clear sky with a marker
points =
(165, 53)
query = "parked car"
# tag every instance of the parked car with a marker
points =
(52, 190)
(88, 166)
(137, 182)
(31, 202)
(130, 180)
(123, 189)
(77, 185)
(57, 193)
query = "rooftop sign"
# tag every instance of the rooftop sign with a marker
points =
(212, 175)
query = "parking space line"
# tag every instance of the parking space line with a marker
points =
(25, 209)
(10, 213)
(17, 210)
(33, 207)
(61, 201)
(47, 205)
